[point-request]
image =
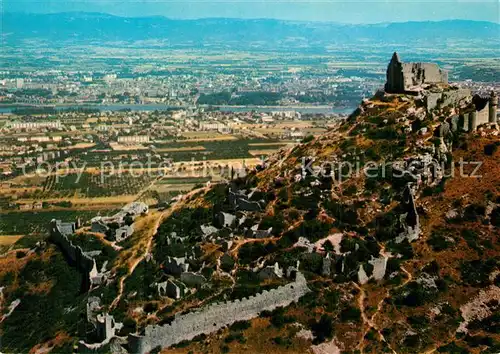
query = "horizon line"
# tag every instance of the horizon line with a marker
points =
(249, 18)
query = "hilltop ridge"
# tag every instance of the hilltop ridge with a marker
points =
(82, 27)
(391, 219)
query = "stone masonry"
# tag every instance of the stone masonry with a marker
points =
(59, 232)
(408, 77)
(216, 316)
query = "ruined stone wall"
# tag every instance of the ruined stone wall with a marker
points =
(453, 98)
(216, 316)
(395, 79)
(83, 262)
(416, 74)
(193, 279)
(406, 77)
(241, 202)
(493, 108)
(483, 115)
(456, 98)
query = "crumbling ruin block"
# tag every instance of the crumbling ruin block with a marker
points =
(171, 289)
(107, 327)
(408, 77)
(225, 219)
(271, 272)
(175, 266)
(410, 219)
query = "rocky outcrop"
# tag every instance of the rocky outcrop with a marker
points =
(480, 307)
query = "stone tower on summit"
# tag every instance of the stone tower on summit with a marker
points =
(411, 77)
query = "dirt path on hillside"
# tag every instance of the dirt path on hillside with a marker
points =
(369, 322)
(157, 219)
(150, 235)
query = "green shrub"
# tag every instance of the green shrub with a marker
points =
(495, 217)
(331, 299)
(249, 252)
(387, 226)
(477, 272)
(240, 326)
(234, 336)
(490, 149)
(436, 190)
(403, 248)
(350, 314)
(438, 241)
(308, 139)
(323, 329)
(419, 322)
(279, 319)
(282, 341)
(489, 324)
(471, 238)
(344, 214)
(473, 212)
(452, 348)
(413, 294)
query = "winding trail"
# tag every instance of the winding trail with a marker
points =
(369, 322)
(147, 250)
(410, 278)
(151, 233)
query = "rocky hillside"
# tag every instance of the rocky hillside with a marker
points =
(392, 217)
(397, 239)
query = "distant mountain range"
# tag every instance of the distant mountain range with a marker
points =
(92, 27)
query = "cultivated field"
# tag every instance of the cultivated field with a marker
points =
(7, 240)
(36, 222)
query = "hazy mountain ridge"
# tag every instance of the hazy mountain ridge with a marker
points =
(81, 26)
(395, 258)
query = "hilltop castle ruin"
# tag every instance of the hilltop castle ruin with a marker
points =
(408, 77)
(431, 83)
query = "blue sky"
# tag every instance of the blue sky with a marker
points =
(360, 11)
